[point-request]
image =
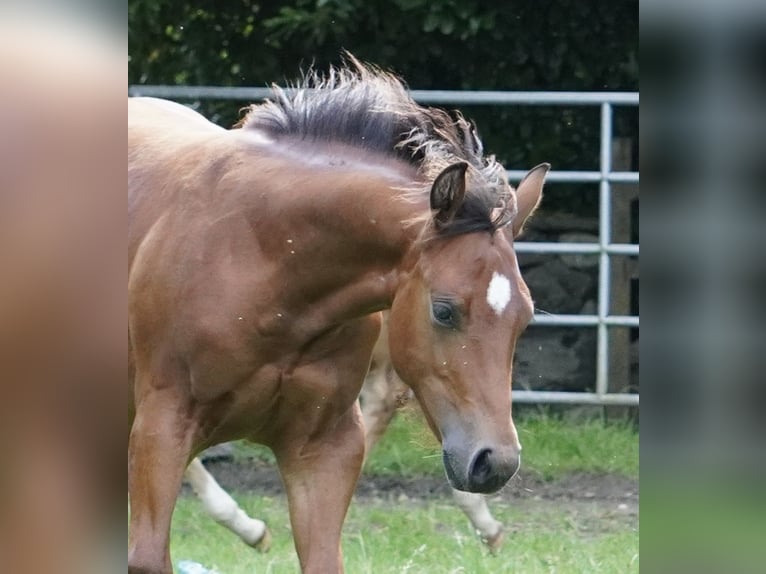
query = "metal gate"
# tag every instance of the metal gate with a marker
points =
(602, 320)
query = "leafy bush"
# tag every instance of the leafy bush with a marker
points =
(434, 44)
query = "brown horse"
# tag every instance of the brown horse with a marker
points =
(258, 259)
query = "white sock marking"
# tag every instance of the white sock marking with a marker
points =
(499, 293)
(475, 507)
(222, 507)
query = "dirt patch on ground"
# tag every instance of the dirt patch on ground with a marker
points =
(592, 503)
(262, 478)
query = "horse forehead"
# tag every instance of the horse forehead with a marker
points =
(474, 262)
(484, 253)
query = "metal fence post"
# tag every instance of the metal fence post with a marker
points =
(605, 227)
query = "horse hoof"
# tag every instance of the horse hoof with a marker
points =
(495, 542)
(263, 545)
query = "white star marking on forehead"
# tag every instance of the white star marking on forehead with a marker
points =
(499, 293)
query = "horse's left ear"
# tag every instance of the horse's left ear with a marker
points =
(447, 193)
(528, 195)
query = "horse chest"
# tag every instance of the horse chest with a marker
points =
(225, 360)
(262, 403)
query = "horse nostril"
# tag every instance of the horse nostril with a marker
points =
(482, 467)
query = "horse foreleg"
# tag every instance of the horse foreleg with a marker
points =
(475, 507)
(320, 478)
(160, 446)
(224, 509)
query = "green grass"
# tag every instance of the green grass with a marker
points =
(433, 537)
(552, 446)
(382, 537)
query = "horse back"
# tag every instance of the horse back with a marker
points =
(164, 116)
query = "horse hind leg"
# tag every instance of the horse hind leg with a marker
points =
(380, 397)
(475, 508)
(224, 509)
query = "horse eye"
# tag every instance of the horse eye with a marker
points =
(443, 314)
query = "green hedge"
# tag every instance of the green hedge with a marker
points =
(433, 44)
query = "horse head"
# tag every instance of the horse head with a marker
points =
(458, 311)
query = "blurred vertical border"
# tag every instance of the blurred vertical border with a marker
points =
(703, 373)
(63, 301)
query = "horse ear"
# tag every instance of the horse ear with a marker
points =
(528, 195)
(447, 193)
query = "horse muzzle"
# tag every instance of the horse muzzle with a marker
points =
(485, 470)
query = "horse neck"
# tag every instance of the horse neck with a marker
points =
(341, 239)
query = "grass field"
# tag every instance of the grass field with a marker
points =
(552, 447)
(406, 534)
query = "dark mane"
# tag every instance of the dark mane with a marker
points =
(365, 107)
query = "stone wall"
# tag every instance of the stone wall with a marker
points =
(563, 358)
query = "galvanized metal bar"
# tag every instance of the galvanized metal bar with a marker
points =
(623, 176)
(621, 321)
(585, 320)
(423, 96)
(200, 92)
(547, 320)
(574, 248)
(605, 228)
(525, 98)
(553, 397)
(516, 175)
(557, 248)
(622, 249)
